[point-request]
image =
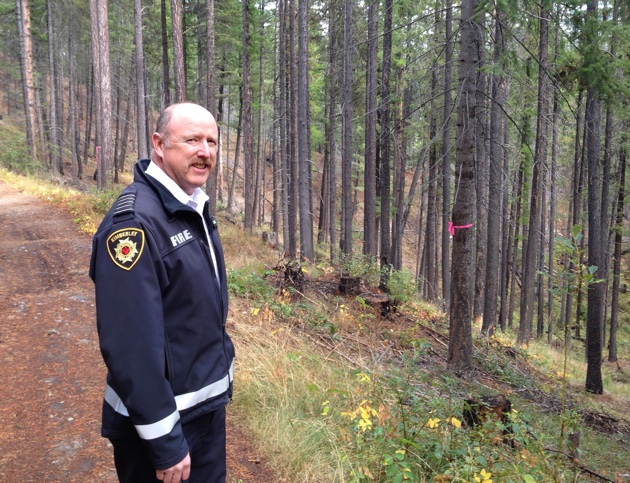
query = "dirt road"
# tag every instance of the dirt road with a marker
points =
(51, 371)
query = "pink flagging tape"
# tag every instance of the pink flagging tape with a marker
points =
(452, 228)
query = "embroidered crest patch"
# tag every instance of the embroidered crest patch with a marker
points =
(125, 247)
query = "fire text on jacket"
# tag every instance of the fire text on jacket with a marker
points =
(181, 238)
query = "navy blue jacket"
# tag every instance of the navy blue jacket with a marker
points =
(161, 318)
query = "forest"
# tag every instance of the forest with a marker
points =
(477, 148)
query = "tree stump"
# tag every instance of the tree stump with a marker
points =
(489, 408)
(294, 276)
(383, 302)
(574, 445)
(349, 285)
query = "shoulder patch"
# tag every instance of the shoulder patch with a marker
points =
(125, 203)
(125, 247)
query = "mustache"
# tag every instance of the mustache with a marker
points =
(197, 162)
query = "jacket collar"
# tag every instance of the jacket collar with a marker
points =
(169, 201)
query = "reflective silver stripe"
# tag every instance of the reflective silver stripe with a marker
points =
(161, 428)
(115, 402)
(184, 401)
(145, 431)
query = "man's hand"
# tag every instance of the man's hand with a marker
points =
(177, 473)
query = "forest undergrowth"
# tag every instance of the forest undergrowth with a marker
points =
(334, 388)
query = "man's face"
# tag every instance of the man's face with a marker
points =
(187, 151)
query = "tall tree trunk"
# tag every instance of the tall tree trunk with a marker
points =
(540, 262)
(614, 305)
(102, 81)
(369, 173)
(506, 228)
(178, 51)
(460, 347)
(422, 249)
(515, 226)
(581, 223)
(384, 139)
(608, 220)
(141, 115)
(552, 198)
(259, 190)
(237, 149)
(149, 105)
(55, 128)
(42, 137)
(608, 213)
(531, 253)
(165, 62)
(332, 129)
(125, 134)
(72, 108)
(481, 182)
(216, 175)
(248, 142)
(283, 103)
(595, 291)
(515, 217)
(430, 259)
(292, 129)
(306, 215)
(346, 133)
(323, 223)
(431, 224)
(62, 110)
(446, 156)
(106, 101)
(275, 129)
(97, 93)
(214, 181)
(117, 116)
(224, 130)
(89, 117)
(400, 165)
(23, 14)
(201, 37)
(495, 181)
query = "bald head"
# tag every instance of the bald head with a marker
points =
(170, 114)
(185, 144)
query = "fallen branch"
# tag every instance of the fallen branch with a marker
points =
(434, 333)
(334, 349)
(382, 354)
(438, 340)
(581, 466)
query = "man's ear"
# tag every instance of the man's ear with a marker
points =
(158, 144)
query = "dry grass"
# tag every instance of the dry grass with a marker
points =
(280, 383)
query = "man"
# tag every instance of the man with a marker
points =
(161, 305)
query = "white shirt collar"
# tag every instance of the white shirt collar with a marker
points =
(157, 173)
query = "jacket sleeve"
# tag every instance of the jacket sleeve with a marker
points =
(129, 279)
